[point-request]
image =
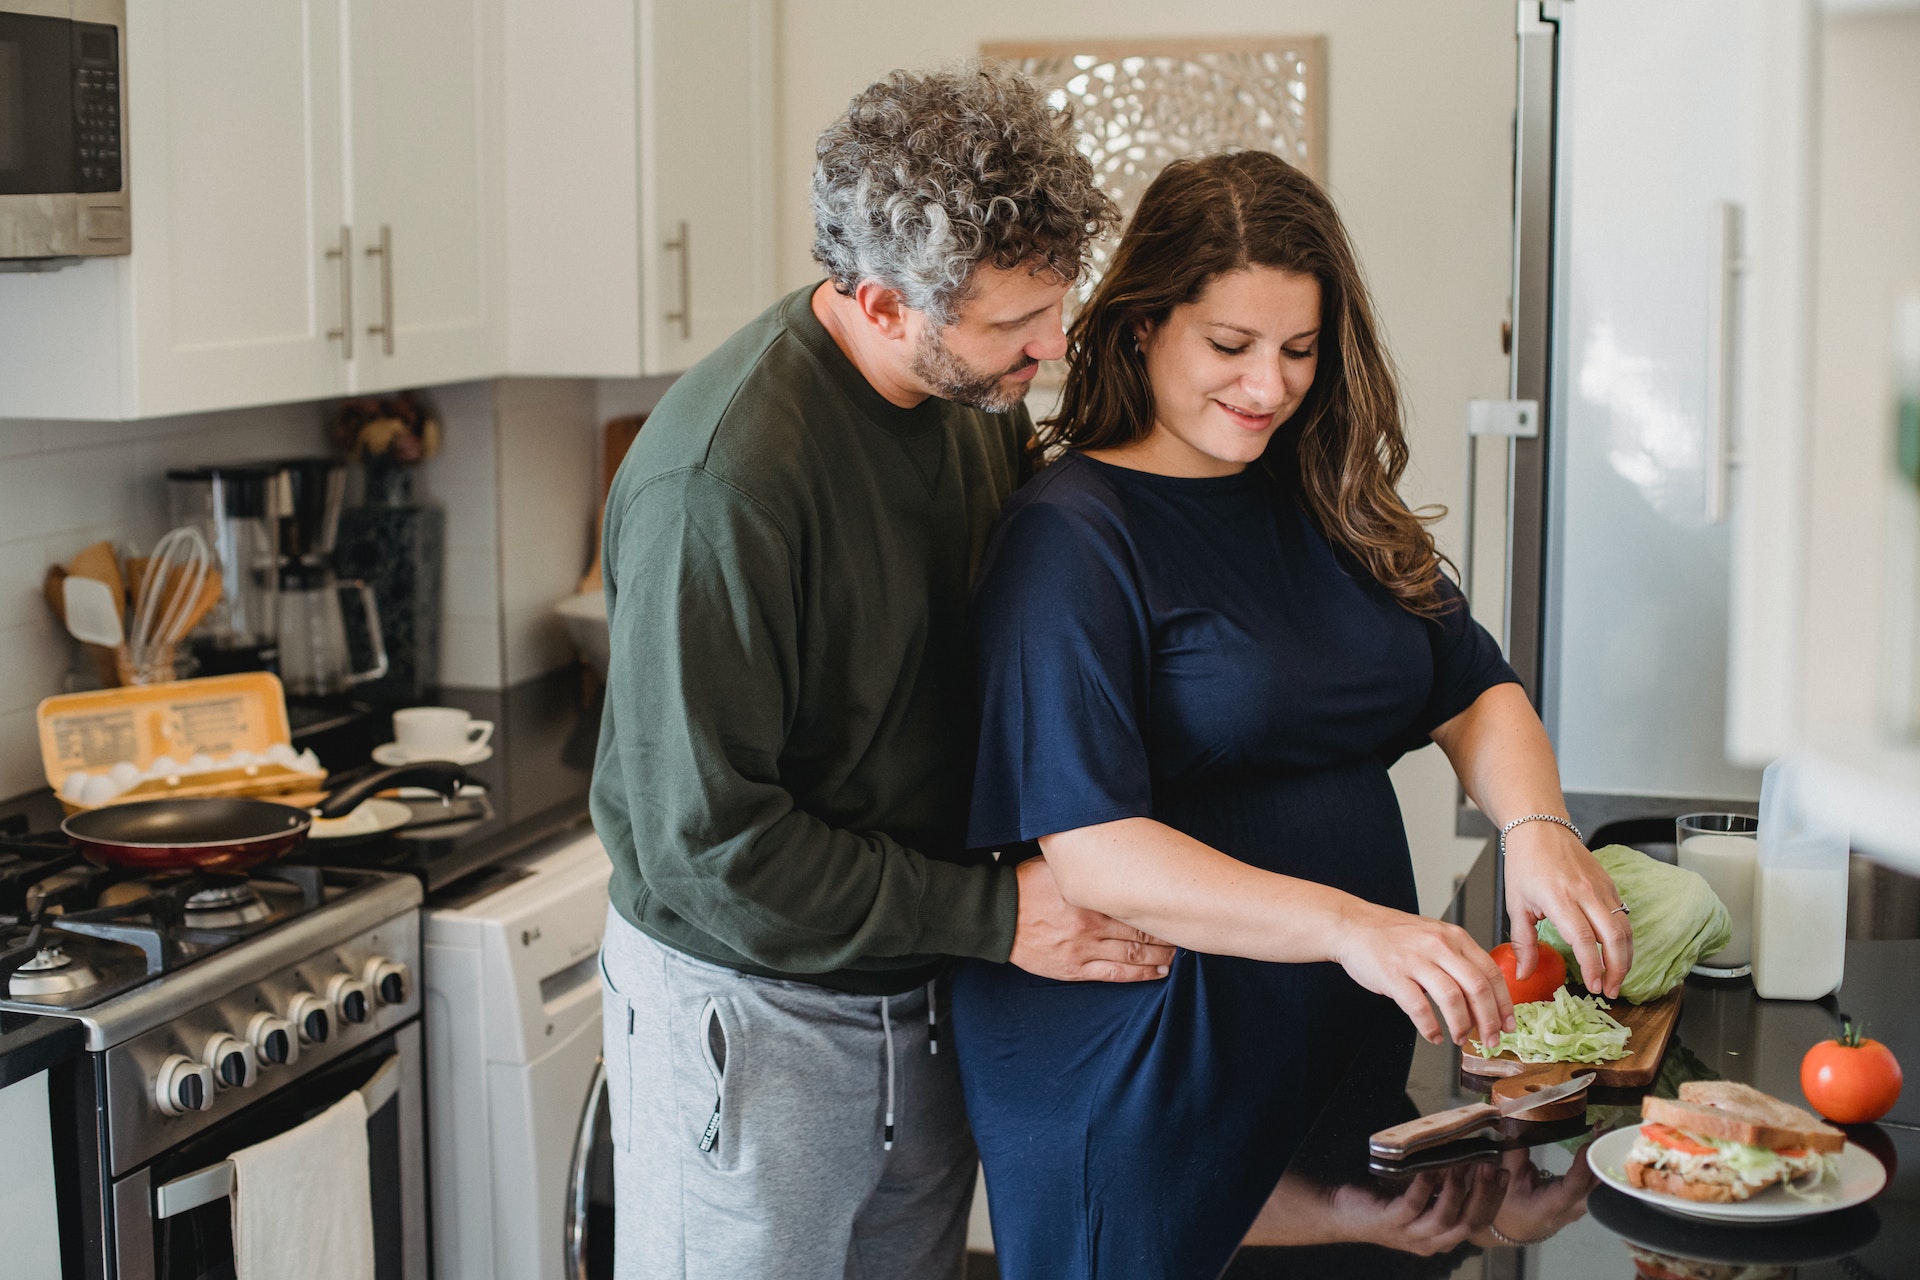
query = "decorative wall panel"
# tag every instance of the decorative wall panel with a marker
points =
(1140, 103)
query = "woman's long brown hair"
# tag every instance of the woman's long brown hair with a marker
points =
(1202, 218)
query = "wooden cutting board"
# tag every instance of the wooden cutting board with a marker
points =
(1650, 1026)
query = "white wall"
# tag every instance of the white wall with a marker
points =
(517, 481)
(1419, 107)
(516, 476)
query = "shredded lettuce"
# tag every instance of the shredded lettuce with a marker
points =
(1567, 1028)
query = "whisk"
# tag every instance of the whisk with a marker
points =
(176, 573)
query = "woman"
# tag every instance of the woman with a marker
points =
(1203, 634)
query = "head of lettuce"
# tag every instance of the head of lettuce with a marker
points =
(1675, 916)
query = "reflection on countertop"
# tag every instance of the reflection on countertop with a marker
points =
(1528, 1205)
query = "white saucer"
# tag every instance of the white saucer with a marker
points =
(391, 754)
(368, 818)
(1861, 1178)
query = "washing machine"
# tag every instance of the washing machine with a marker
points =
(515, 1116)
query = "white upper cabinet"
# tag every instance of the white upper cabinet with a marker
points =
(270, 147)
(426, 175)
(346, 196)
(640, 181)
(706, 176)
(235, 149)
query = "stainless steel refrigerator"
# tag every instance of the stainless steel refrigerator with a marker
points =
(1652, 246)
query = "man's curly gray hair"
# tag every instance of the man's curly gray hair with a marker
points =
(927, 175)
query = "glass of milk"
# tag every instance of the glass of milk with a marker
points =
(1722, 848)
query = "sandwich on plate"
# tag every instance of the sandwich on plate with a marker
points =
(1721, 1142)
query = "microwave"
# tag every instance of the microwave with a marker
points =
(63, 134)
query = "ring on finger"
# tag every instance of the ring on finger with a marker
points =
(1621, 910)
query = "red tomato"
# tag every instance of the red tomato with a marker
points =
(1673, 1138)
(1548, 976)
(1851, 1080)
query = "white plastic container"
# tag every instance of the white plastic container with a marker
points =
(1800, 897)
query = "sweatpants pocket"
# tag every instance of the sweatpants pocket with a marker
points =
(616, 1050)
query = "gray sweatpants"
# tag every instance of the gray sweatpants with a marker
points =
(749, 1129)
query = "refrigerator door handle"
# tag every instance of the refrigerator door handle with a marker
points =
(1727, 255)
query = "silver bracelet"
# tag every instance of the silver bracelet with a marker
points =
(1538, 817)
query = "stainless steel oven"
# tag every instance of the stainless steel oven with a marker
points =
(220, 1011)
(63, 132)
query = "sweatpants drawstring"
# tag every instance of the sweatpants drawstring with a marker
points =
(933, 1023)
(886, 1033)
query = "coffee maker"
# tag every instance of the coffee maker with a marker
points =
(236, 508)
(315, 660)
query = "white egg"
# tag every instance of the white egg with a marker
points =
(282, 753)
(162, 766)
(240, 757)
(99, 790)
(200, 763)
(74, 786)
(124, 774)
(308, 762)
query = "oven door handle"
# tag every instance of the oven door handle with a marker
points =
(215, 1182)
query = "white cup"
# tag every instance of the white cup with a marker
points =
(439, 733)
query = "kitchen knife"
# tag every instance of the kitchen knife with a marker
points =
(1403, 1140)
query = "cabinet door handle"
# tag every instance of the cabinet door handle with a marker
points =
(344, 253)
(684, 316)
(384, 252)
(1723, 353)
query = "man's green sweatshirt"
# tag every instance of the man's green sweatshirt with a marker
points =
(787, 745)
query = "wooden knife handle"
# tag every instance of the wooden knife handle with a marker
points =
(1431, 1131)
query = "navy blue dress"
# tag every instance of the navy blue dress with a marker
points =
(1194, 651)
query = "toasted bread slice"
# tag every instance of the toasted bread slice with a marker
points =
(1774, 1123)
(1723, 1189)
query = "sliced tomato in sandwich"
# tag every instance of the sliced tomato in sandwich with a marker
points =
(1671, 1138)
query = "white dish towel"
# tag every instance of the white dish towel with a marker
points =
(302, 1205)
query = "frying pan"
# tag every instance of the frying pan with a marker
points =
(227, 833)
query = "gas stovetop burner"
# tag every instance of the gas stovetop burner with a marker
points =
(51, 972)
(226, 905)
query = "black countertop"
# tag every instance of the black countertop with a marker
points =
(1334, 1215)
(545, 733)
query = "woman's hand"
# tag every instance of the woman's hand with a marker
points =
(1538, 1204)
(1412, 960)
(1436, 1212)
(1552, 876)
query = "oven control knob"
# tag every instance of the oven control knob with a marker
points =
(312, 1017)
(231, 1061)
(275, 1042)
(350, 998)
(389, 980)
(183, 1085)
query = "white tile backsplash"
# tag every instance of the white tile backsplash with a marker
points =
(64, 485)
(515, 474)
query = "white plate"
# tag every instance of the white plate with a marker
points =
(1861, 1178)
(369, 818)
(392, 754)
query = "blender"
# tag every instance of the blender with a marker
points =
(315, 660)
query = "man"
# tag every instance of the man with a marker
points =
(787, 746)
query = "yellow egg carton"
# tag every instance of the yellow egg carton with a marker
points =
(215, 736)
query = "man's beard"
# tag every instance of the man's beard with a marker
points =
(951, 378)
